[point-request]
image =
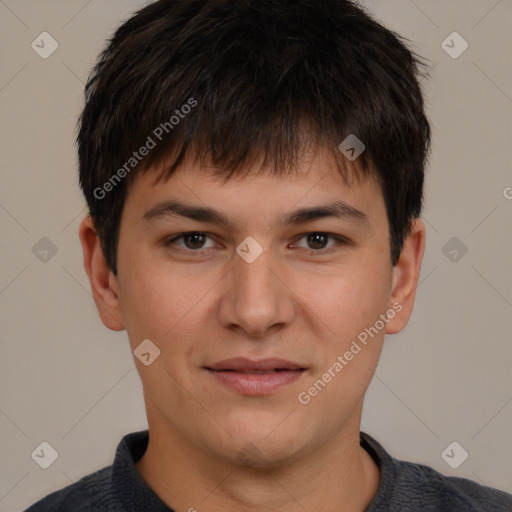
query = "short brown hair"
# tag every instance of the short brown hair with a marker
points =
(266, 77)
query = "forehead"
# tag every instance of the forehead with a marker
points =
(259, 191)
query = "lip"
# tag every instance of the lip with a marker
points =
(250, 377)
(242, 364)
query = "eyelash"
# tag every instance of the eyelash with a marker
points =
(339, 239)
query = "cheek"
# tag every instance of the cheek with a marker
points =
(348, 300)
(352, 342)
(161, 305)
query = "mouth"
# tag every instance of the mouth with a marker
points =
(257, 372)
(249, 377)
(243, 365)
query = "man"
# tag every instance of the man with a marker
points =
(254, 175)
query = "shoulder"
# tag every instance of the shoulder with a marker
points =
(109, 489)
(421, 487)
(90, 493)
(407, 486)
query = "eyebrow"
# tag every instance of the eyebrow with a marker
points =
(336, 209)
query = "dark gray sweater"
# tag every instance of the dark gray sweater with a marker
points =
(404, 487)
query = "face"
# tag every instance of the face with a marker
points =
(269, 309)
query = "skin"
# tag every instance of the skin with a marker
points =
(300, 300)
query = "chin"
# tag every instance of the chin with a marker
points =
(266, 446)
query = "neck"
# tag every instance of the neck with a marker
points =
(338, 475)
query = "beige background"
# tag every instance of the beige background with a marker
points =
(67, 380)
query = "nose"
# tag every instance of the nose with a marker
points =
(256, 297)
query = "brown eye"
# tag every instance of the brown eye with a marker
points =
(317, 240)
(192, 241)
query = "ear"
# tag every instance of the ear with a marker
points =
(405, 277)
(103, 282)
